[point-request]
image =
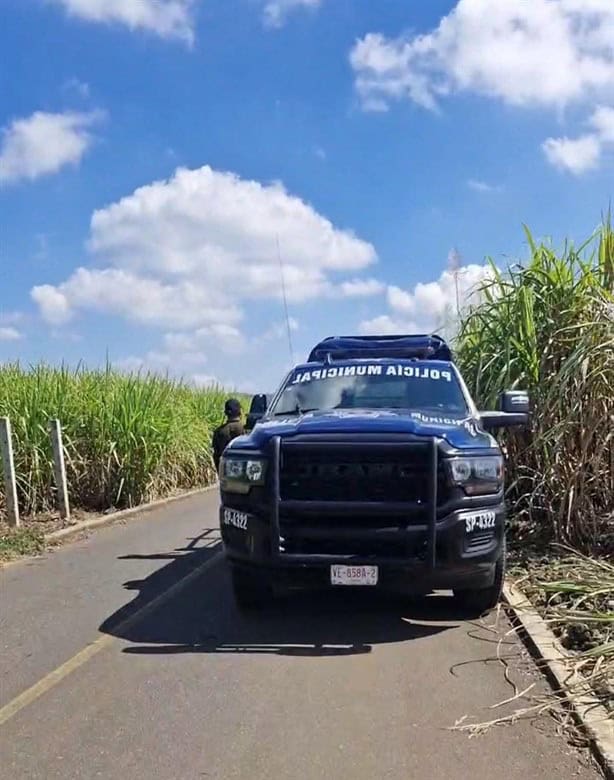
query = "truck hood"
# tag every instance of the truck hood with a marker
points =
(459, 433)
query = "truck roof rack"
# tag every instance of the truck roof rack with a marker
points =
(418, 346)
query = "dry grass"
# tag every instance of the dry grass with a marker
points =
(574, 593)
(548, 327)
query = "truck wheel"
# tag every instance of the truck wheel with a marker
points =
(251, 591)
(477, 601)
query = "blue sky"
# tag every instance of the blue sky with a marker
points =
(154, 152)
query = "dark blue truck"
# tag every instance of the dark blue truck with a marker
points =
(370, 466)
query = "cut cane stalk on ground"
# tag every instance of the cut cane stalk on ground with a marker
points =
(548, 327)
(575, 596)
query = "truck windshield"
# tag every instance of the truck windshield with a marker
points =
(414, 386)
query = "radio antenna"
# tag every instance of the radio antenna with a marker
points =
(285, 299)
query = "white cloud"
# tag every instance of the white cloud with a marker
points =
(279, 330)
(66, 336)
(603, 122)
(576, 155)
(429, 306)
(387, 325)
(320, 152)
(77, 87)
(166, 18)
(205, 380)
(361, 288)
(10, 334)
(163, 362)
(42, 247)
(44, 143)
(184, 353)
(276, 11)
(220, 336)
(582, 154)
(184, 256)
(542, 53)
(11, 317)
(220, 233)
(477, 185)
(53, 304)
(149, 301)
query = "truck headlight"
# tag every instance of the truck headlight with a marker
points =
(477, 476)
(238, 474)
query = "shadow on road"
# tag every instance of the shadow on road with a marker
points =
(181, 561)
(202, 617)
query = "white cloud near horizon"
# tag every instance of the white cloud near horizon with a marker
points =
(276, 12)
(43, 143)
(140, 299)
(429, 306)
(13, 317)
(279, 330)
(165, 18)
(543, 54)
(10, 334)
(189, 369)
(602, 122)
(361, 288)
(161, 362)
(228, 337)
(185, 354)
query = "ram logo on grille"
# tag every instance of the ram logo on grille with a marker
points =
(364, 474)
(334, 471)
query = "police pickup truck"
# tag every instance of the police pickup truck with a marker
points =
(370, 466)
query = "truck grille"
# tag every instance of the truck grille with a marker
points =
(343, 521)
(356, 499)
(358, 474)
(479, 540)
(356, 547)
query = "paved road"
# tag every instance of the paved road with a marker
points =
(343, 687)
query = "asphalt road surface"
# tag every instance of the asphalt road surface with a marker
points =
(123, 656)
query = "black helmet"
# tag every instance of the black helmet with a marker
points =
(232, 408)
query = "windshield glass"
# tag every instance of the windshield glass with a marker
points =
(414, 386)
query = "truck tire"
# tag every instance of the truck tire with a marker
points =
(251, 591)
(478, 601)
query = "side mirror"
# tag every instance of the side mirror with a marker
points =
(514, 402)
(257, 410)
(514, 408)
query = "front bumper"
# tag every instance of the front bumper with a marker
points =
(425, 545)
(464, 558)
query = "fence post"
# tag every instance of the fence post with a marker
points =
(59, 468)
(6, 446)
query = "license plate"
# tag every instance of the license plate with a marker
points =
(353, 575)
(237, 519)
(479, 521)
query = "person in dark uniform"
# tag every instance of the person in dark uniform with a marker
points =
(232, 428)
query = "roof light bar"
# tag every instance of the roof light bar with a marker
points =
(419, 346)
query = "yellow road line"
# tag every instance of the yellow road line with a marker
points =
(57, 675)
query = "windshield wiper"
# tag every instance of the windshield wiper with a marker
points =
(297, 410)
